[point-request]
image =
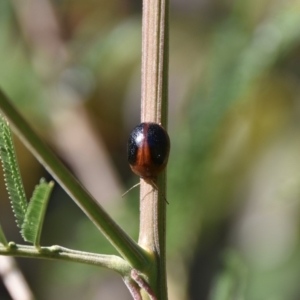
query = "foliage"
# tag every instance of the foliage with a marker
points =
(3, 240)
(28, 217)
(32, 225)
(14, 184)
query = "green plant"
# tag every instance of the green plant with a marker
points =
(141, 265)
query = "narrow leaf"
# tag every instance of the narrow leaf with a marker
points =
(34, 218)
(3, 240)
(12, 176)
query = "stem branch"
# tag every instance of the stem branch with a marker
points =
(129, 249)
(111, 262)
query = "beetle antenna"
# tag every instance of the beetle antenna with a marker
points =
(154, 185)
(131, 189)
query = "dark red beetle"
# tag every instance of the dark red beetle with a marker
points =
(148, 151)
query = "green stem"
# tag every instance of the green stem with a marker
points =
(154, 109)
(130, 250)
(111, 262)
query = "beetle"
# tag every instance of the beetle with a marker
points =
(148, 151)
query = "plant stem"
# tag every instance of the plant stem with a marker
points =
(133, 288)
(130, 250)
(154, 109)
(111, 262)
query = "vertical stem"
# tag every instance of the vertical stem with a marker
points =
(154, 109)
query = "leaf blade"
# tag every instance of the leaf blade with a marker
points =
(3, 240)
(34, 218)
(12, 175)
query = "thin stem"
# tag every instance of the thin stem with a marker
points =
(154, 109)
(130, 250)
(143, 284)
(133, 288)
(111, 262)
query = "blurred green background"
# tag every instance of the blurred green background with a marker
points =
(73, 70)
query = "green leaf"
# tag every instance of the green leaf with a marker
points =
(3, 240)
(12, 176)
(34, 218)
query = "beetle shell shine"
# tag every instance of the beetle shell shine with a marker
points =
(148, 150)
